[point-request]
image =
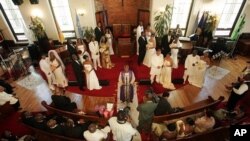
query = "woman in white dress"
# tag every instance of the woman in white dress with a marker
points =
(58, 68)
(174, 46)
(109, 36)
(91, 78)
(148, 32)
(81, 50)
(166, 73)
(150, 51)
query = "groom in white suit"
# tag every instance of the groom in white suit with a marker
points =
(45, 67)
(94, 49)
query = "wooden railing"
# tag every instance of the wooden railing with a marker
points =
(73, 115)
(189, 110)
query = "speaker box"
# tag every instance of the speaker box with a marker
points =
(144, 82)
(104, 82)
(17, 2)
(34, 1)
(178, 81)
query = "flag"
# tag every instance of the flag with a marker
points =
(237, 29)
(203, 20)
(59, 32)
(78, 24)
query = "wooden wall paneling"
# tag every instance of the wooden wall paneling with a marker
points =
(144, 16)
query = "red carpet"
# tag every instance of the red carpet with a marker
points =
(141, 72)
(13, 124)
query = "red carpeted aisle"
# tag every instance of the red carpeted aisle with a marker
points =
(141, 72)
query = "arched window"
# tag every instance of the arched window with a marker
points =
(14, 19)
(181, 13)
(229, 17)
(62, 15)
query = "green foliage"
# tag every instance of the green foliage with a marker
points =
(88, 33)
(163, 20)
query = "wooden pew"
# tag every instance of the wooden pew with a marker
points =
(42, 135)
(6, 110)
(189, 110)
(219, 133)
(74, 116)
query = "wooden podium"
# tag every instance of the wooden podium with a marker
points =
(124, 46)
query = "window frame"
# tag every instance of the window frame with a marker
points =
(10, 26)
(69, 31)
(234, 24)
(188, 19)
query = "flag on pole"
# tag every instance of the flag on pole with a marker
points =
(59, 32)
(237, 29)
(78, 24)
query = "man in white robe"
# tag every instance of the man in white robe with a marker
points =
(156, 65)
(4, 98)
(121, 129)
(139, 29)
(94, 49)
(126, 83)
(191, 64)
(45, 67)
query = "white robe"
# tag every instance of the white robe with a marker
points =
(166, 74)
(91, 78)
(138, 34)
(4, 97)
(98, 135)
(156, 61)
(94, 49)
(45, 67)
(149, 53)
(121, 132)
(190, 69)
(174, 53)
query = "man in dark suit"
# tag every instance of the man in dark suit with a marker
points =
(165, 45)
(28, 118)
(54, 128)
(98, 32)
(163, 106)
(142, 47)
(71, 48)
(78, 70)
(7, 87)
(75, 130)
(63, 103)
(40, 122)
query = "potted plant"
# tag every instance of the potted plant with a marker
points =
(88, 33)
(163, 20)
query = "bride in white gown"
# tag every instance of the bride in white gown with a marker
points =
(91, 78)
(57, 67)
(109, 37)
(166, 73)
(175, 45)
(150, 51)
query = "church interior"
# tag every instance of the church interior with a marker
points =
(125, 70)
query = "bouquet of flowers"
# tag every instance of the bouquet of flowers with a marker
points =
(37, 27)
(211, 23)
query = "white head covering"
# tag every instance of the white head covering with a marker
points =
(57, 57)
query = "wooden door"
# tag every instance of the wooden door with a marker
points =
(144, 16)
(102, 16)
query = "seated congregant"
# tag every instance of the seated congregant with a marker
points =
(40, 121)
(95, 134)
(204, 123)
(163, 106)
(4, 98)
(63, 103)
(73, 130)
(170, 133)
(28, 118)
(54, 128)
